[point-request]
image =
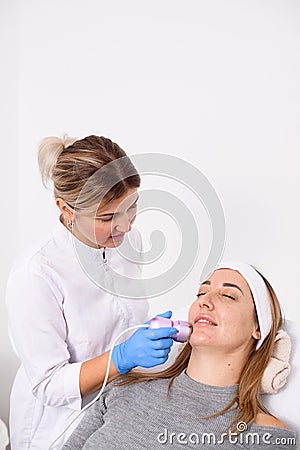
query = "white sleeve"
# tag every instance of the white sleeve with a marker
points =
(39, 334)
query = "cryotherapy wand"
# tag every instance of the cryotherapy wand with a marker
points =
(184, 328)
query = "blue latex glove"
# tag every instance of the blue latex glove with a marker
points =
(145, 348)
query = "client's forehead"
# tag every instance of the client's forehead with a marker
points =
(221, 276)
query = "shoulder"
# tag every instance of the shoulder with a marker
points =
(29, 263)
(32, 255)
(266, 420)
(33, 268)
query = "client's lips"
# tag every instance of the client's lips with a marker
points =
(118, 236)
(205, 320)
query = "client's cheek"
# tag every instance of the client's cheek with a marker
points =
(191, 315)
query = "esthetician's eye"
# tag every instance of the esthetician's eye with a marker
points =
(107, 219)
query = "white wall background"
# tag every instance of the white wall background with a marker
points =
(213, 82)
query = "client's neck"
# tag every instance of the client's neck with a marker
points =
(215, 368)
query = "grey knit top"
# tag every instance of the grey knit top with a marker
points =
(141, 416)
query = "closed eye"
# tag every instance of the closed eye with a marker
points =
(107, 219)
(228, 296)
(224, 295)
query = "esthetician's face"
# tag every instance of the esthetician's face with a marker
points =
(223, 315)
(107, 227)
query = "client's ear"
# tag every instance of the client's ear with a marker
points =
(256, 333)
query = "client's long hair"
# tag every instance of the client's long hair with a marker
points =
(247, 395)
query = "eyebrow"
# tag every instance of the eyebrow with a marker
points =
(112, 214)
(225, 285)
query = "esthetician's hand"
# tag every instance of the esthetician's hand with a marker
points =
(145, 348)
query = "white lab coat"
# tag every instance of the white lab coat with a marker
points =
(59, 317)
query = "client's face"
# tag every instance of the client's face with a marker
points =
(223, 315)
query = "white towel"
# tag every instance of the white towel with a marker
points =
(278, 369)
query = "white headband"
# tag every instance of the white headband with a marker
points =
(260, 295)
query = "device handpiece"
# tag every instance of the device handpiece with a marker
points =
(182, 326)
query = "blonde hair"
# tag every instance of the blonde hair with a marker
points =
(71, 164)
(247, 395)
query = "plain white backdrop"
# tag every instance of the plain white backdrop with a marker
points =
(213, 82)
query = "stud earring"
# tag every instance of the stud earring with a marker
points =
(70, 225)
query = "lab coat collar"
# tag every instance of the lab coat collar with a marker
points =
(66, 239)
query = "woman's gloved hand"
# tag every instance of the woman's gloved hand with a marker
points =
(145, 348)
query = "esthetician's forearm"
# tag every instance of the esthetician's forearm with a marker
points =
(92, 374)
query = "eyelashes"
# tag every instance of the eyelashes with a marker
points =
(109, 219)
(104, 220)
(224, 295)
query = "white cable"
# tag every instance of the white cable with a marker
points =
(104, 382)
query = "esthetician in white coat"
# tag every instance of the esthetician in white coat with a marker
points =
(61, 322)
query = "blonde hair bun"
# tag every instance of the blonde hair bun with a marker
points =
(70, 163)
(49, 150)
